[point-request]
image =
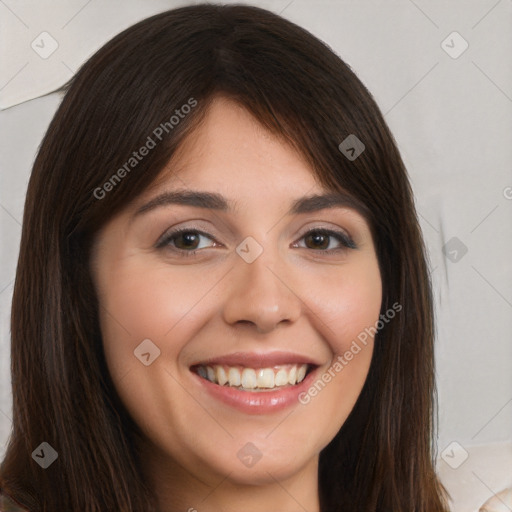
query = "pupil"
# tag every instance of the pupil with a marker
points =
(318, 239)
(189, 239)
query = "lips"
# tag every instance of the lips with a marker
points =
(250, 370)
(258, 360)
(255, 383)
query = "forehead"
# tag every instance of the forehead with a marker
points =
(230, 161)
(230, 149)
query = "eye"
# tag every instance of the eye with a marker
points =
(186, 240)
(321, 239)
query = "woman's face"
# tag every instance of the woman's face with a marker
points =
(260, 283)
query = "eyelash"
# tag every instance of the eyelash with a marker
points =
(345, 240)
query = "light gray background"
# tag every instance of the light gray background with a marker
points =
(452, 119)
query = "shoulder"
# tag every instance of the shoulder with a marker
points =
(7, 504)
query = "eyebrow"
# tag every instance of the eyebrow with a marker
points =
(214, 201)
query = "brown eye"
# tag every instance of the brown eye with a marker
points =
(186, 240)
(317, 241)
(322, 239)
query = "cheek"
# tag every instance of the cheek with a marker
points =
(347, 306)
(347, 303)
(141, 301)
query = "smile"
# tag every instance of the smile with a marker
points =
(254, 379)
(255, 383)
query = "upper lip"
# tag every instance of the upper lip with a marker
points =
(258, 360)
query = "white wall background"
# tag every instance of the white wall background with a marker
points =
(452, 119)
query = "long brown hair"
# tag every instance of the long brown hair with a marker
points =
(382, 457)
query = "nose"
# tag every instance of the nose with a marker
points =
(261, 296)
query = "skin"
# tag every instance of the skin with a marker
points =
(294, 297)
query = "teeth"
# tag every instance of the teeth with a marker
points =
(249, 378)
(254, 379)
(292, 376)
(234, 377)
(301, 373)
(221, 375)
(265, 378)
(281, 378)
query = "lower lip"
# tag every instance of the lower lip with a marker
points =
(262, 402)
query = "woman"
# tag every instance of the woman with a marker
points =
(222, 299)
